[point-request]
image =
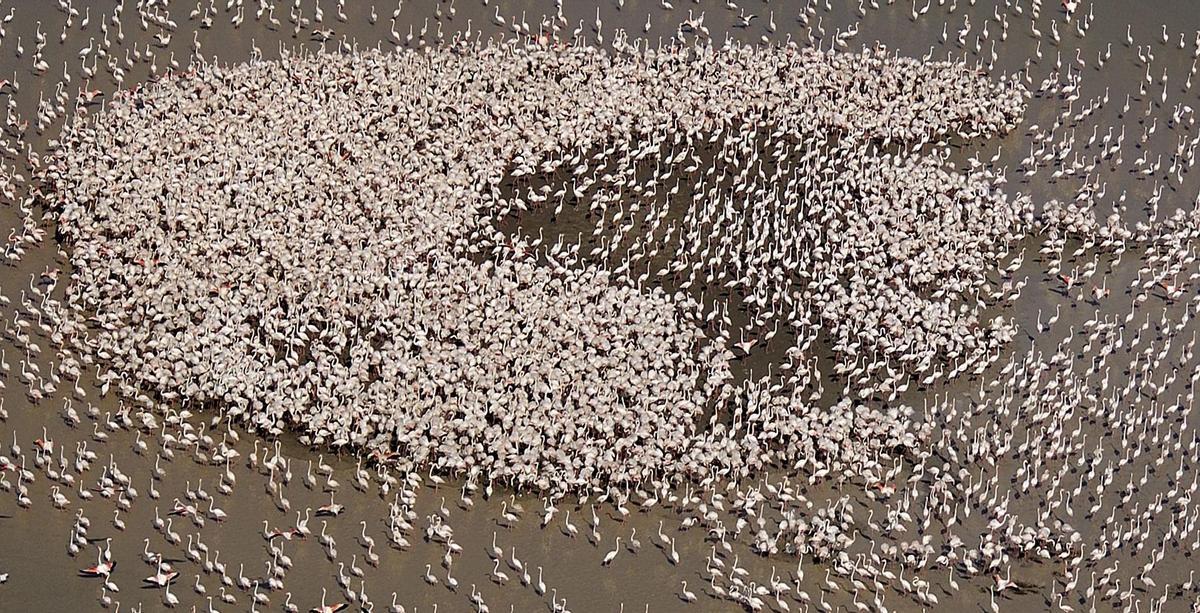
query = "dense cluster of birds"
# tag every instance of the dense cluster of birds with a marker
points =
(345, 273)
(771, 316)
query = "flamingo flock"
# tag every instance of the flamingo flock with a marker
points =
(775, 299)
(441, 341)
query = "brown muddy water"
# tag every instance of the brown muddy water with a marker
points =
(42, 575)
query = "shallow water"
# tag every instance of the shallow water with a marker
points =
(43, 578)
